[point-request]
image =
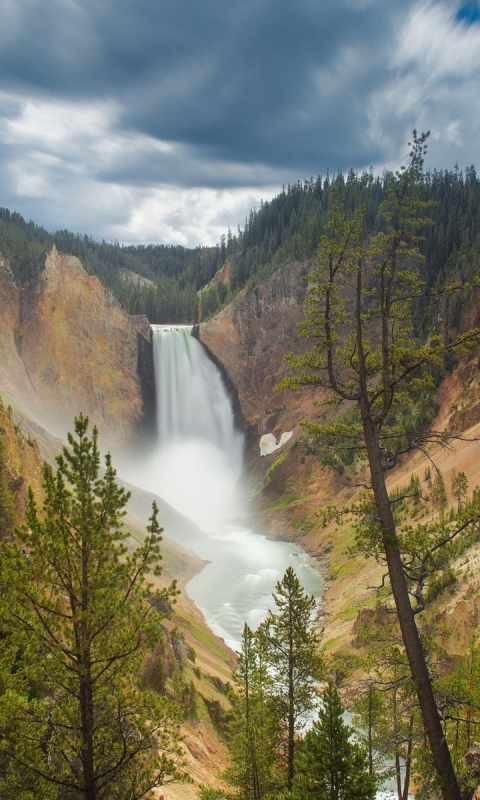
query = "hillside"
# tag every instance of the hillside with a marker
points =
(174, 284)
(66, 345)
(190, 657)
(299, 487)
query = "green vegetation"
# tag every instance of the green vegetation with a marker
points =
(331, 765)
(78, 618)
(253, 729)
(367, 352)
(276, 752)
(282, 230)
(279, 667)
(397, 265)
(175, 273)
(7, 502)
(274, 467)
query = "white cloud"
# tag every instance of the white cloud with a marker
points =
(175, 137)
(432, 80)
(175, 215)
(437, 46)
(88, 175)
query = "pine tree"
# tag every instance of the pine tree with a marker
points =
(330, 766)
(253, 729)
(78, 618)
(7, 503)
(360, 315)
(385, 709)
(460, 690)
(294, 659)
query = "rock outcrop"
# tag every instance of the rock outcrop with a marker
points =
(250, 338)
(14, 382)
(21, 466)
(68, 347)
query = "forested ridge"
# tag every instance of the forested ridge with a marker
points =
(284, 229)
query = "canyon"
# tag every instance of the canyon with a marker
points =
(67, 346)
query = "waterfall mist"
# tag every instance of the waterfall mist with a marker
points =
(197, 458)
(194, 465)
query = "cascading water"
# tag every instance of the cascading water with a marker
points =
(199, 449)
(194, 466)
(192, 401)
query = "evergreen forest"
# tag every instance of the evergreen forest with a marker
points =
(395, 271)
(172, 284)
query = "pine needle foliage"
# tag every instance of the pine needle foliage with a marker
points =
(77, 622)
(331, 765)
(365, 353)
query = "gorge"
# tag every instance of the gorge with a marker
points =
(66, 345)
(195, 464)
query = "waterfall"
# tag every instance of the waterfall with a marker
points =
(200, 451)
(192, 401)
(194, 465)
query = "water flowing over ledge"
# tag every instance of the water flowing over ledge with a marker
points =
(195, 465)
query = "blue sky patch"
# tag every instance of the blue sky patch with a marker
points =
(469, 12)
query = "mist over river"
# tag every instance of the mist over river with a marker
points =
(196, 467)
(237, 585)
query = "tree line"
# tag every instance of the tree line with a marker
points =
(174, 280)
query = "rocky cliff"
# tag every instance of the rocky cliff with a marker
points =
(250, 338)
(66, 346)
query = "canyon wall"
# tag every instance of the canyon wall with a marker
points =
(66, 347)
(250, 338)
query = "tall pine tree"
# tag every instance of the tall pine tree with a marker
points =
(295, 661)
(78, 618)
(253, 729)
(360, 315)
(330, 766)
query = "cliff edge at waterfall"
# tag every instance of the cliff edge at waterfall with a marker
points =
(67, 346)
(250, 338)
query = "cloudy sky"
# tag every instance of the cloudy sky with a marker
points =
(166, 121)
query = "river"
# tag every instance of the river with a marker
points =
(196, 466)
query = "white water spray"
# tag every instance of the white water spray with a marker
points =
(192, 401)
(194, 466)
(198, 458)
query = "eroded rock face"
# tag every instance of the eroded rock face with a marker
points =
(68, 343)
(13, 378)
(250, 338)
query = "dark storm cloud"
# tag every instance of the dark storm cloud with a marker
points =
(147, 120)
(246, 81)
(252, 89)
